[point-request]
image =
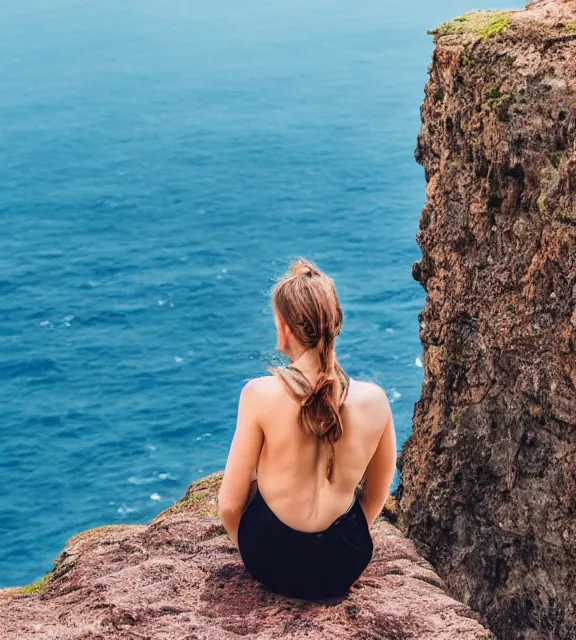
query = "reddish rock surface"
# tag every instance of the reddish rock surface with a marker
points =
(488, 476)
(180, 578)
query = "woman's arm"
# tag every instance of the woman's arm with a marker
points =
(242, 460)
(380, 471)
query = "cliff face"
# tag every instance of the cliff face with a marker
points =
(180, 578)
(488, 476)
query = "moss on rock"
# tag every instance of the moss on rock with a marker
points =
(36, 587)
(200, 498)
(483, 24)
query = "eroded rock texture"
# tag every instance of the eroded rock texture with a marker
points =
(180, 578)
(488, 477)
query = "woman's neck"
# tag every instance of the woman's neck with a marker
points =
(307, 360)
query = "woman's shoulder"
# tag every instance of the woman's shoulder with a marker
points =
(370, 394)
(273, 389)
(262, 385)
(367, 388)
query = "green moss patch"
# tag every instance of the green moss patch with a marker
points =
(483, 24)
(571, 26)
(201, 498)
(36, 587)
(492, 93)
(494, 26)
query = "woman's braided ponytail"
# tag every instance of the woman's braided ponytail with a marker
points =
(308, 302)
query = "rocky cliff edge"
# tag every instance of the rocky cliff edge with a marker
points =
(180, 578)
(488, 475)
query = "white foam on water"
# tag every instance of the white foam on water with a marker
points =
(66, 320)
(418, 361)
(394, 395)
(124, 510)
(137, 480)
(155, 496)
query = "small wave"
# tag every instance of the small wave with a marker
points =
(17, 368)
(137, 480)
(107, 317)
(123, 510)
(8, 286)
(66, 321)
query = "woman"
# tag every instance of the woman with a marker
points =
(311, 434)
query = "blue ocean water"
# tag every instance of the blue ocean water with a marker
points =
(162, 162)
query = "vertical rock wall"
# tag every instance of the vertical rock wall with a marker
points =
(488, 476)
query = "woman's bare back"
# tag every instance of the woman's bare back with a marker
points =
(292, 466)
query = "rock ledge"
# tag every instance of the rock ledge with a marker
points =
(180, 578)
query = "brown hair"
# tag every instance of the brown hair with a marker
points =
(307, 301)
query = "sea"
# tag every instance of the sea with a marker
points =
(161, 163)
